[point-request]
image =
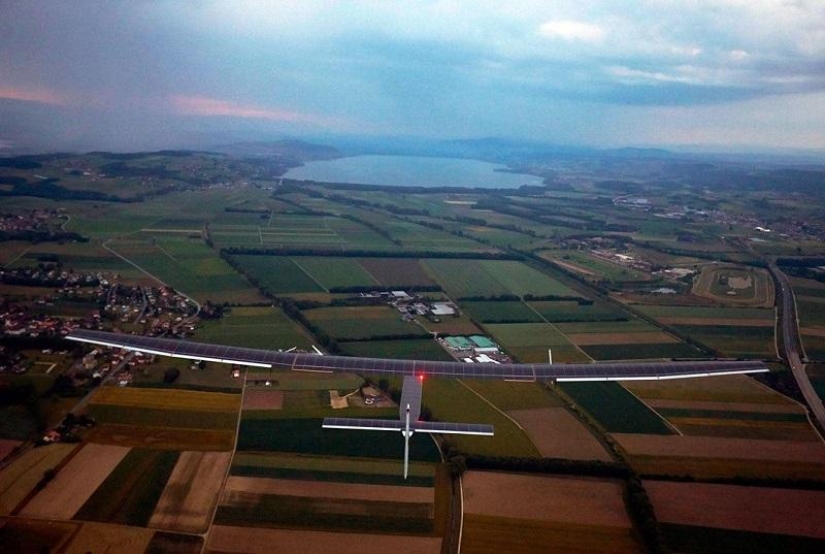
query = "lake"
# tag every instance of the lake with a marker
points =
(411, 171)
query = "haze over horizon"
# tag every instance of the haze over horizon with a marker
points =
(724, 74)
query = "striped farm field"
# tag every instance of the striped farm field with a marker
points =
(464, 278)
(529, 342)
(590, 339)
(492, 535)
(75, 482)
(129, 494)
(166, 398)
(247, 540)
(711, 314)
(535, 514)
(257, 509)
(334, 469)
(102, 537)
(572, 311)
(21, 476)
(720, 447)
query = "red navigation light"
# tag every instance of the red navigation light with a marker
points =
(421, 377)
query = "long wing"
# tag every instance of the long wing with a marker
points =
(380, 366)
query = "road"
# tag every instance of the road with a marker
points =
(789, 327)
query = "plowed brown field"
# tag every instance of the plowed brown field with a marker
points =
(163, 438)
(760, 510)
(190, 495)
(558, 434)
(246, 540)
(533, 497)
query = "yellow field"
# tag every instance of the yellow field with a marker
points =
(733, 388)
(163, 438)
(168, 399)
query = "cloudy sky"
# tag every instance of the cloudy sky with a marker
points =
(130, 74)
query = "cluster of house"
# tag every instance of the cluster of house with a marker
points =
(34, 220)
(51, 277)
(411, 306)
(18, 321)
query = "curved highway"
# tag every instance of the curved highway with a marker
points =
(789, 327)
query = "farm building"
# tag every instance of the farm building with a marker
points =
(442, 308)
(483, 344)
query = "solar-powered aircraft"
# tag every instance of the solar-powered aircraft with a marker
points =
(413, 372)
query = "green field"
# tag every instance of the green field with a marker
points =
(529, 342)
(500, 312)
(277, 274)
(362, 323)
(254, 327)
(707, 313)
(690, 539)
(615, 408)
(188, 265)
(733, 340)
(642, 351)
(450, 400)
(335, 272)
(306, 436)
(408, 349)
(188, 419)
(571, 311)
(465, 278)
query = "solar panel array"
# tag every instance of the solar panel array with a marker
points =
(521, 372)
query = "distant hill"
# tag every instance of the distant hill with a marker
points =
(296, 150)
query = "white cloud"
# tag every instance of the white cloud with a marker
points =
(572, 30)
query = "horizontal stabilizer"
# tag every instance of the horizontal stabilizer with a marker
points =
(363, 424)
